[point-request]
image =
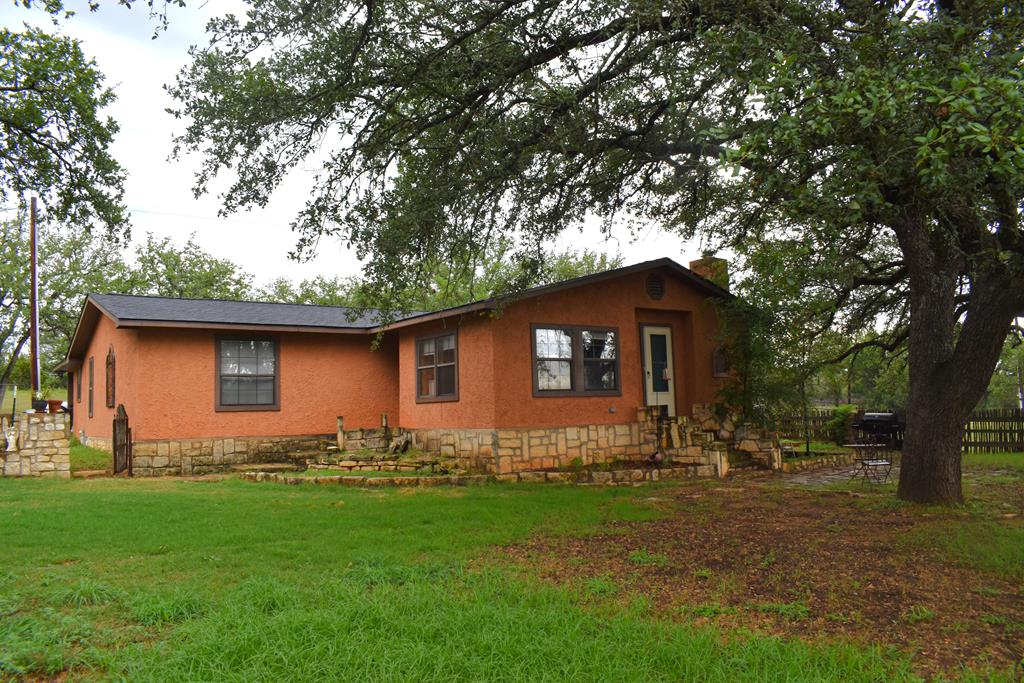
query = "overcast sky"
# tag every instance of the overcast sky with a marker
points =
(158, 191)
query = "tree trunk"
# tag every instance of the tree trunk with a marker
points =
(951, 361)
(930, 466)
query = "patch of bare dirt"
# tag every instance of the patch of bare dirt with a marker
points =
(807, 564)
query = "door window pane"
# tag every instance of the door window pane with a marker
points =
(659, 362)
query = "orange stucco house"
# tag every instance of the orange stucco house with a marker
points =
(565, 371)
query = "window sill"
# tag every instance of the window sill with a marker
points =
(437, 399)
(574, 394)
(248, 409)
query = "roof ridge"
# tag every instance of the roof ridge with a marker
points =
(222, 300)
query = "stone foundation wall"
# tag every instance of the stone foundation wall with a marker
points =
(37, 445)
(201, 456)
(703, 440)
(706, 439)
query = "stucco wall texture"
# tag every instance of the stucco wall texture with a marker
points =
(166, 377)
(496, 364)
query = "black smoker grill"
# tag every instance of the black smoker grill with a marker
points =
(884, 428)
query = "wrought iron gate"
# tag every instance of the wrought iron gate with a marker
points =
(122, 442)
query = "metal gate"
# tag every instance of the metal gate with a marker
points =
(122, 442)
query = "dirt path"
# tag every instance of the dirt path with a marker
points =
(748, 553)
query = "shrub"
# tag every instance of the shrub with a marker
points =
(840, 427)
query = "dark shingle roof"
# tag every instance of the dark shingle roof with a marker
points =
(127, 307)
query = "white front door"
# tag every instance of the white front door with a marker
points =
(659, 372)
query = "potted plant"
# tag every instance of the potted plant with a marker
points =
(55, 405)
(38, 402)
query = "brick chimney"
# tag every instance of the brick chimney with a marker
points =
(712, 268)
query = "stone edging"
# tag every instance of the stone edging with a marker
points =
(606, 478)
(817, 462)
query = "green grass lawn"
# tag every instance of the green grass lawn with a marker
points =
(994, 461)
(816, 446)
(232, 581)
(86, 458)
(25, 399)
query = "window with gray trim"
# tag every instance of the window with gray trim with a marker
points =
(247, 373)
(575, 360)
(437, 368)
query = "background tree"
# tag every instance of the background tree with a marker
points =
(72, 263)
(163, 268)
(444, 286)
(884, 139)
(54, 140)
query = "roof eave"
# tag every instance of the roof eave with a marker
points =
(186, 324)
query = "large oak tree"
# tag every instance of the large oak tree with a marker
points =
(880, 141)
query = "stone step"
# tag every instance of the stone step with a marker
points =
(266, 467)
(90, 474)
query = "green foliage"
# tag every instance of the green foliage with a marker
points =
(643, 557)
(994, 547)
(711, 609)
(441, 285)
(163, 268)
(170, 608)
(916, 614)
(71, 263)
(840, 426)
(88, 591)
(788, 610)
(601, 586)
(55, 140)
(1006, 390)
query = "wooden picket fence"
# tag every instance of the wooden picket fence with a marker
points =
(988, 431)
(791, 425)
(995, 431)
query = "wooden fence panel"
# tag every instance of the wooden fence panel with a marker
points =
(995, 431)
(987, 431)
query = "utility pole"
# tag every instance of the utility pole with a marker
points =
(34, 301)
(1020, 385)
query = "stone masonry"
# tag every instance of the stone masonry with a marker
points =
(704, 440)
(37, 445)
(201, 456)
(701, 440)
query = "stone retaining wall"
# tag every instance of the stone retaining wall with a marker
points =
(201, 456)
(817, 462)
(600, 477)
(38, 445)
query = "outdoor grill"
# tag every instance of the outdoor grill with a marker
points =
(884, 428)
